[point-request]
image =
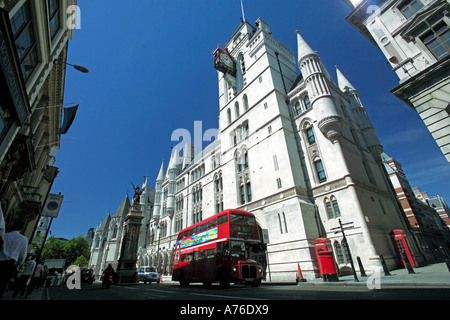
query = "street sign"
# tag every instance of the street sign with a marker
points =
(52, 205)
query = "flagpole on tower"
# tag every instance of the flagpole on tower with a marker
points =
(243, 14)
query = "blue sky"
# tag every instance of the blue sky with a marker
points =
(151, 72)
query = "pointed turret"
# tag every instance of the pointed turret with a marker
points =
(304, 50)
(158, 191)
(370, 136)
(161, 173)
(322, 102)
(172, 172)
(343, 83)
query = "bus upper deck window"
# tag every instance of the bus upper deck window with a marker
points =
(212, 223)
(222, 219)
(234, 218)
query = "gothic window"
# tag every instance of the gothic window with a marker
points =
(307, 102)
(249, 191)
(310, 135)
(282, 223)
(245, 102)
(114, 235)
(437, 40)
(236, 110)
(298, 108)
(197, 196)
(53, 10)
(229, 116)
(218, 192)
(285, 224)
(243, 176)
(279, 185)
(320, 170)
(339, 253)
(179, 206)
(332, 208)
(410, 7)
(245, 129)
(242, 63)
(279, 222)
(242, 193)
(22, 27)
(275, 163)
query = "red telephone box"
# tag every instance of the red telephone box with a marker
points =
(400, 242)
(325, 259)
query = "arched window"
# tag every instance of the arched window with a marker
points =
(320, 170)
(114, 235)
(339, 253)
(310, 135)
(332, 208)
(245, 102)
(307, 102)
(298, 108)
(229, 116)
(236, 110)
(281, 226)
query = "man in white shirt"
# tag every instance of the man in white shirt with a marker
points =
(22, 282)
(12, 255)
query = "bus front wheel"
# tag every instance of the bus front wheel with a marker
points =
(256, 283)
(183, 281)
(224, 279)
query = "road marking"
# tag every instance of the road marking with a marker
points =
(220, 296)
(166, 291)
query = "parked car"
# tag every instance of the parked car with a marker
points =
(87, 276)
(148, 274)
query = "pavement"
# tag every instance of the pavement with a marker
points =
(433, 275)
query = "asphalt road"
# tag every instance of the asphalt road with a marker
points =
(173, 291)
(237, 301)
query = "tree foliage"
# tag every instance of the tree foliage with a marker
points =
(75, 251)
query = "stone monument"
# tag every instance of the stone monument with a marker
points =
(128, 256)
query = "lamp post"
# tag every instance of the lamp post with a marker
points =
(75, 66)
(79, 68)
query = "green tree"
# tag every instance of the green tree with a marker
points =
(75, 251)
(76, 248)
(53, 249)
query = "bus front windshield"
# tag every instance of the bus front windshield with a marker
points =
(238, 249)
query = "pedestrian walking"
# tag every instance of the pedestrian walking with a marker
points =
(12, 255)
(36, 279)
(25, 277)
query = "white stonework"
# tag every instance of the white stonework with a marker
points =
(413, 35)
(298, 151)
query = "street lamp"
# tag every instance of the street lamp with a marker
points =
(75, 66)
(79, 68)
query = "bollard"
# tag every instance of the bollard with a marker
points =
(407, 263)
(361, 267)
(385, 268)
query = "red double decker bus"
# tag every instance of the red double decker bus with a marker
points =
(218, 249)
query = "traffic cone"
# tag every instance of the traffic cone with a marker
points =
(300, 275)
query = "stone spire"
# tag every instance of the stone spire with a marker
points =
(343, 83)
(322, 101)
(304, 50)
